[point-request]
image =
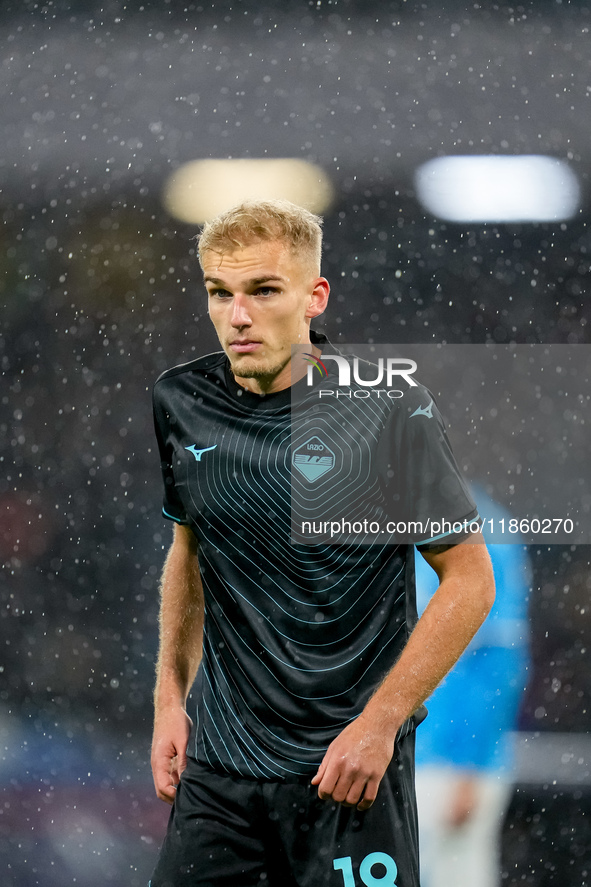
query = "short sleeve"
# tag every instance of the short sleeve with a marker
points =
(172, 507)
(424, 484)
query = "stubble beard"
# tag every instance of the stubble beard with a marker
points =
(253, 369)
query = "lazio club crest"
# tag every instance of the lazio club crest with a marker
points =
(313, 459)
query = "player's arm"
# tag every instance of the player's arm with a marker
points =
(356, 760)
(181, 633)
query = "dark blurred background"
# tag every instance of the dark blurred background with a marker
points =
(100, 292)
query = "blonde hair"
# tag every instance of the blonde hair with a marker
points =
(256, 221)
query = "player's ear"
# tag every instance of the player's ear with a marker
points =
(318, 297)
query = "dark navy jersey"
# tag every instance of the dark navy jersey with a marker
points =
(300, 628)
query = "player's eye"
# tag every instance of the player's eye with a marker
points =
(219, 294)
(266, 291)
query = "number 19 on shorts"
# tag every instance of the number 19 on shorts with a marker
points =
(388, 879)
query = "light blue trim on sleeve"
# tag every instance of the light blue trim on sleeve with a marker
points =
(172, 517)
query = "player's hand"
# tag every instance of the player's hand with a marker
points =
(463, 801)
(172, 728)
(354, 764)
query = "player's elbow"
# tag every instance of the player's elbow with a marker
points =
(485, 592)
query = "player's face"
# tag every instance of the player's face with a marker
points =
(261, 300)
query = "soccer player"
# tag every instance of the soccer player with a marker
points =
(311, 672)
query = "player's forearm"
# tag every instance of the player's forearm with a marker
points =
(174, 676)
(181, 623)
(452, 618)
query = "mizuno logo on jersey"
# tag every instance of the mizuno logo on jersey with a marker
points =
(423, 411)
(198, 453)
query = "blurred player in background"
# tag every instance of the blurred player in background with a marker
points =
(464, 746)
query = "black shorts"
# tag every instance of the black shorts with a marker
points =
(227, 831)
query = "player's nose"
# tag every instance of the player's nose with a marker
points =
(240, 313)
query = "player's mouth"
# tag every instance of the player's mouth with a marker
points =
(244, 346)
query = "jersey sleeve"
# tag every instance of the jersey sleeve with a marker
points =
(172, 506)
(424, 485)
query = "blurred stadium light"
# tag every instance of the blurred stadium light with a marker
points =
(527, 188)
(201, 189)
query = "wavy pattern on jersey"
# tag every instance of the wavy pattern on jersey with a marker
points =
(297, 636)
